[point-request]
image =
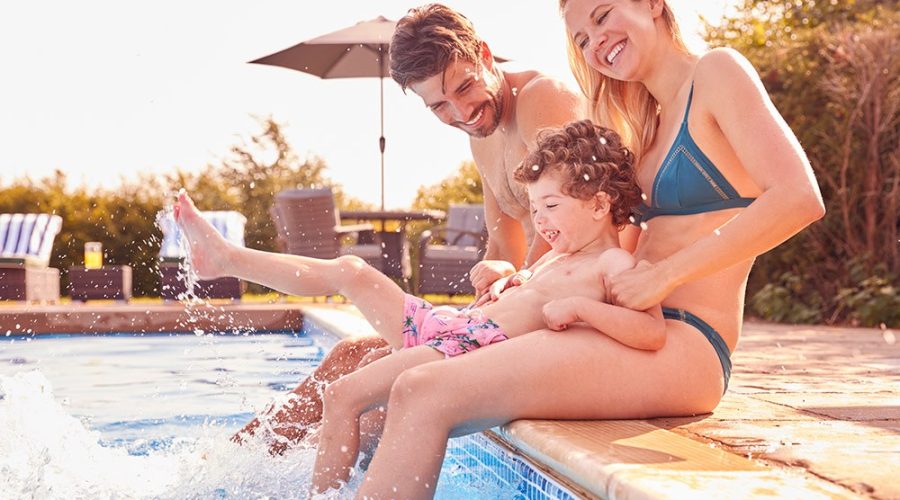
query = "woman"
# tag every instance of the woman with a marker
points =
(723, 184)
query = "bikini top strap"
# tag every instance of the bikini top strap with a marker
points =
(687, 109)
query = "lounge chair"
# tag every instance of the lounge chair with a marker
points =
(309, 224)
(172, 253)
(26, 241)
(445, 268)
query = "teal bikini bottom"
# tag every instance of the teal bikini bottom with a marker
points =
(709, 332)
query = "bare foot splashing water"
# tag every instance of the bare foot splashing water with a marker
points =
(198, 243)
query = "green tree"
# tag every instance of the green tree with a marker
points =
(833, 70)
(124, 219)
(462, 187)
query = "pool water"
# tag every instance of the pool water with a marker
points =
(150, 416)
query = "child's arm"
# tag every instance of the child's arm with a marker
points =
(514, 279)
(638, 329)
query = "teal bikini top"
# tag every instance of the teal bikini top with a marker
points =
(688, 182)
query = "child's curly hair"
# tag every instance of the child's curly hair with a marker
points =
(591, 159)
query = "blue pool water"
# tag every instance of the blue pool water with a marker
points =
(149, 416)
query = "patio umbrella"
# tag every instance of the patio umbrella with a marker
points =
(358, 51)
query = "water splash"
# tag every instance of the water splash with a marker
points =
(45, 452)
(196, 307)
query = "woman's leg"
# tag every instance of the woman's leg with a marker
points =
(377, 296)
(291, 421)
(575, 374)
(348, 398)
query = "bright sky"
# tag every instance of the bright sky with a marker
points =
(105, 89)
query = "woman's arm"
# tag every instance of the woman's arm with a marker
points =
(766, 146)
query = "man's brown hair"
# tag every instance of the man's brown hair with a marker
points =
(427, 39)
(590, 159)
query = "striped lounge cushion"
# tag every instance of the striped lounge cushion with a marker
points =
(28, 238)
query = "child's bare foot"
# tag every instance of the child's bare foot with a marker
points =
(209, 250)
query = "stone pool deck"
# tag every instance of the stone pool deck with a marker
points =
(811, 412)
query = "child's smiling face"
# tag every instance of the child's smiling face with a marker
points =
(566, 223)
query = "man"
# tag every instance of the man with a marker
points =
(436, 53)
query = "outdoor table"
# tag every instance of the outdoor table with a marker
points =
(394, 244)
(402, 216)
(107, 282)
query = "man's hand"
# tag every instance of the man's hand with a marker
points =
(560, 313)
(486, 272)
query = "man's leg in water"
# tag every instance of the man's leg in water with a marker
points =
(292, 421)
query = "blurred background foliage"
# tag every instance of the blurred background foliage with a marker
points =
(246, 179)
(831, 68)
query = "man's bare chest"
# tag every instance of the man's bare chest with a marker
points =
(497, 166)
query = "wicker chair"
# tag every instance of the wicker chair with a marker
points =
(229, 224)
(445, 268)
(309, 224)
(26, 241)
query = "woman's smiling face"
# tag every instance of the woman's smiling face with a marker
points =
(611, 33)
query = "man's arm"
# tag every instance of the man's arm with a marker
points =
(506, 238)
(544, 102)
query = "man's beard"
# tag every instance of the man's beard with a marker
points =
(495, 104)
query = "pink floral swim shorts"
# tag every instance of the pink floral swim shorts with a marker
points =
(447, 329)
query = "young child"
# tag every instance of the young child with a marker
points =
(582, 189)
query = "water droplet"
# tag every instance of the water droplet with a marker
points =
(644, 196)
(888, 335)
(643, 226)
(535, 167)
(603, 141)
(587, 177)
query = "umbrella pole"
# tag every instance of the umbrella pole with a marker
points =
(381, 141)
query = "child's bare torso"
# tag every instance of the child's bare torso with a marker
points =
(519, 309)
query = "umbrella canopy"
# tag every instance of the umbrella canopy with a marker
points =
(358, 51)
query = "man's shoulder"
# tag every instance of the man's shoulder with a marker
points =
(540, 88)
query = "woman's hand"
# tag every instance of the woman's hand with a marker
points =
(640, 287)
(560, 313)
(486, 272)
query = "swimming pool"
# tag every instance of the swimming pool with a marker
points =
(149, 416)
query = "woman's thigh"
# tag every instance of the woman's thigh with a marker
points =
(575, 374)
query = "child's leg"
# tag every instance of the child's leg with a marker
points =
(345, 400)
(291, 421)
(377, 297)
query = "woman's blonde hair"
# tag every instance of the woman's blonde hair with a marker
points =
(626, 107)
